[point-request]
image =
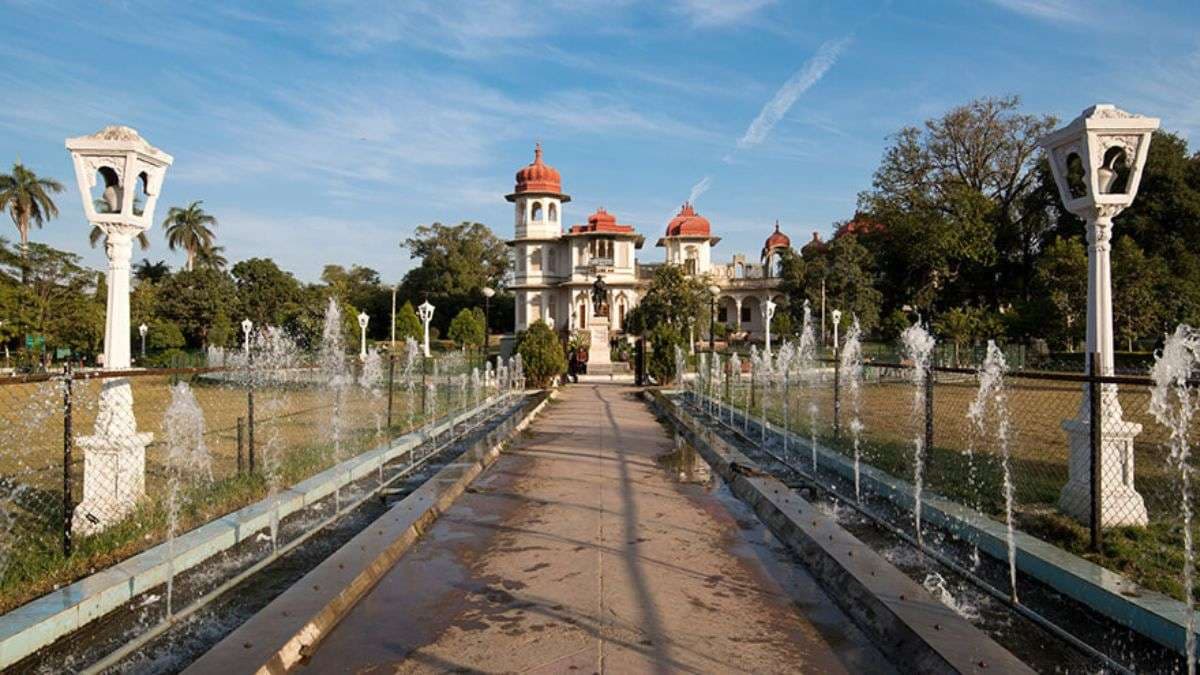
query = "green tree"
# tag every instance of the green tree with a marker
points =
(193, 300)
(663, 339)
(190, 228)
(361, 287)
(162, 334)
(1137, 280)
(222, 332)
(673, 298)
(267, 295)
(151, 272)
(466, 329)
(457, 262)
(27, 198)
(58, 299)
(212, 258)
(408, 324)
(958, 200)
(1061, 277)
(542, 354)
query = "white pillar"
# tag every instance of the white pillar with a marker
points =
(1120, 502)
(115, 453)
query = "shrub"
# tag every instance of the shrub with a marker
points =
(541, 354)
(466, 329)
(663, 340)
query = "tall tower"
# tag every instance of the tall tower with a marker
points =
(538, 200)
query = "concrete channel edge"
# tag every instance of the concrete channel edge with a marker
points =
(909, 625)
(288, 629)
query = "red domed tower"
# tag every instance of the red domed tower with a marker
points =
(689, 240)
(539, 198)
(772, 249)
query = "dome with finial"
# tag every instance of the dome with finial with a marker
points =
(538, 176)
(776, 240)
(688, 223)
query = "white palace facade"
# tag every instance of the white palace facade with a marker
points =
(556, 267)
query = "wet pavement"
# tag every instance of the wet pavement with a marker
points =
(596, 545)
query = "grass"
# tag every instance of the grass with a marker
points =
(965, 466)
(293, 438)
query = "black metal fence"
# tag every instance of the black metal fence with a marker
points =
(61, 517)
(1089, 464)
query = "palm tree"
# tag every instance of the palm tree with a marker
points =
(210, 257)
(27, 198)
(188, 228)
(151, 272)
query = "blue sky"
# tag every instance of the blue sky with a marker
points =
(326, 132)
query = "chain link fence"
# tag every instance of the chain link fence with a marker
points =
(1089, 465)
(98, 466)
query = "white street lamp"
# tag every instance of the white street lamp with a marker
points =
(837, 318)
(247, 326)
(768, 313)
(132, 172)
(425, 311)
(142, 332)
(362, 342)
(1097, 163)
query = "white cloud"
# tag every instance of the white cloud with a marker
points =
(809, 74)
(712, 13)
(1065, 11)
(699, 189)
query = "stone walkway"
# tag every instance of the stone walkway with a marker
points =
(594, 546)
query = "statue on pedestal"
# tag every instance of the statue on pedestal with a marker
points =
(600, 298)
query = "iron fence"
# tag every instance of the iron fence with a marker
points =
(1089, 465)
(74, 497)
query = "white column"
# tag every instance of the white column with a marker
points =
(115, 454)
(1120, 502)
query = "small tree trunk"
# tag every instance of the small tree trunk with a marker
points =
(23, 228)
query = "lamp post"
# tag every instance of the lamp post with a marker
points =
(713, 291)
(1097, 163)
(425, 311)
(392, 348)
(362, 332)
(768, 313)
(837, 318)
(488, 292)
(128, 173)
(247, 326)
(142, 332)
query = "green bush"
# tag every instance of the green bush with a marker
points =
(163, 335)
(466, 329)
(661, 363)
(541, 354)
(170, 358)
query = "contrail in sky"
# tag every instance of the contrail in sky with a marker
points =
(699, 189)
(809, 74)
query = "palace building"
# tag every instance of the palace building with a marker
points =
(555, 267)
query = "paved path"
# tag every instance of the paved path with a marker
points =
(593, 547)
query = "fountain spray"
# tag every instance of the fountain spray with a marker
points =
(992, 397)
(1174, 405)
(851, 383)
(918, 347)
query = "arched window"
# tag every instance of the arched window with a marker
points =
(535, 310)
(692, 260)
(739, 270)
(552, 263)
(535, 259)
(535, 211)
(553, 211)
(777, 266)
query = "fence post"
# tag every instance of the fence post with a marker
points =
(68, 443)
(241, 423)
(837, 393)
(1096, 443)
(391, 388)
(250, 424)
(928, 415)
(424, 389)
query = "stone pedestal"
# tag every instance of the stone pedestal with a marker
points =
(1120, 503)
(114, 462)
(599, 360)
